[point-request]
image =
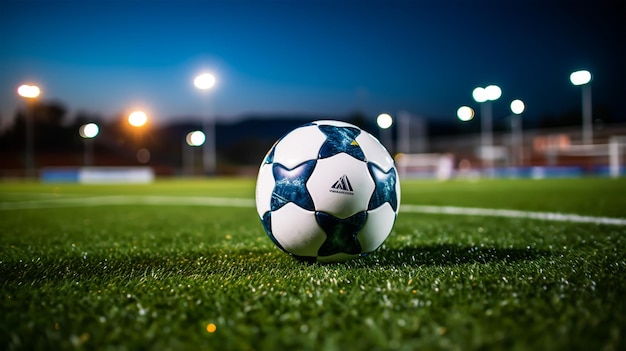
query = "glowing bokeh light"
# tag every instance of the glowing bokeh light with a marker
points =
(517, 106)
(28, 91)
(143, 155)
(479, 94)
(465, 113)
(204, 81)
(89, 130)
(489, 93)
(137, 119)
(211, 328)
(195, 138)
(384, 120)
(580, 77)
(493, 92)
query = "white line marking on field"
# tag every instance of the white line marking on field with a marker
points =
(250, 203)
(127, 200)
(490, 212)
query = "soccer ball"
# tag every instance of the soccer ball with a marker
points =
(328, 191)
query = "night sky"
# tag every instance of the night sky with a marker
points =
(327, 58)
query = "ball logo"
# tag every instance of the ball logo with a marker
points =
(342, 186)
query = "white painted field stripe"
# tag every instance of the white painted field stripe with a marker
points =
(490, 212)
(127, 200)
(249, 203)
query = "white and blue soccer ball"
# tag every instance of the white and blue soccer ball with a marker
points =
(328, 191)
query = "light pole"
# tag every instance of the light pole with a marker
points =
(517, 107)
(384, 121)
(411, 128)
(583, 78)
(88, 132)
(204, 82)
(403, 140)
(138, 120)
(192, 139)
(30, 92)
(485, 96)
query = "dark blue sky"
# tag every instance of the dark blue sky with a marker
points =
(311, 57)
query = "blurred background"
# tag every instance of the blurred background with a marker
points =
(463, 88)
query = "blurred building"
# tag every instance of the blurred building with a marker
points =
(551, 148)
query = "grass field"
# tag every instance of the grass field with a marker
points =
(156, 267)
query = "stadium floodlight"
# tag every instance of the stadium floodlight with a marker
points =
(488, 93)
(30, 92)
(485, 96)
(580, 77)
(195, 138)
(465, 113)
(517, 147)
(88, 132)
(493, 92)
(583, 78)
(137, 119)
(517, 106)
(204, 82)
(479, 94)
(384, 120)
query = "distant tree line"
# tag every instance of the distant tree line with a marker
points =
(244, 142)
(57, 142)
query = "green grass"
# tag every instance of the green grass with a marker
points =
(155, 276)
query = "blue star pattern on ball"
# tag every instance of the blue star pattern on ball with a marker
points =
(290, 185)
(385, 187)
(341, 234)
(267, 225)
(340, 139)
